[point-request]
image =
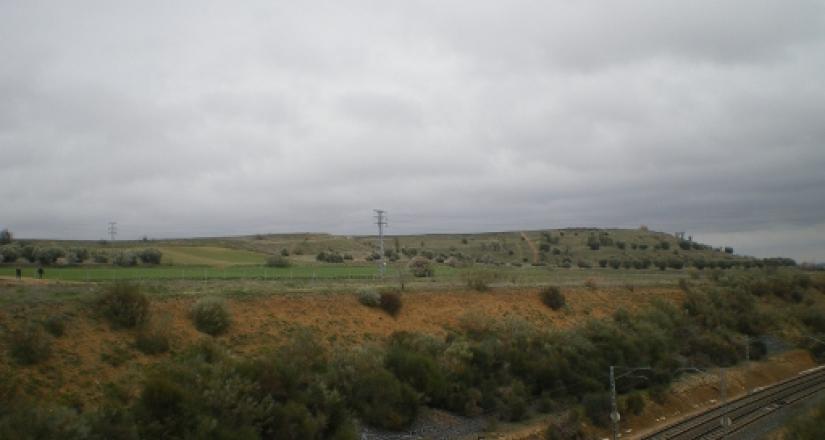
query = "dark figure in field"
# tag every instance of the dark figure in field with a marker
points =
(18, 273)
(40, 273)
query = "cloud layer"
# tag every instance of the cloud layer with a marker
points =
(202, 118)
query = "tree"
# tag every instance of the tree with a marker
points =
(5, 236)
(421, 267)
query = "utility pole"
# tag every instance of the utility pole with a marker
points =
(725, 421)
(381, 221)
(614, 410)
(747, 363)
(112, 231)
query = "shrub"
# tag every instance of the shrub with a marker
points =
(634, 404)
(808, 426)
(116, 355)
(153, 338)
(55, 325)
(593, 242)
(597, 408)
(418, 369)
(124, 305)
(390, 302)
(100, 257)
(9, 254)
(513, 406)
(30, 345)
(211, 316)
(125, 258)
(383, 401)
(552, 297)
(567, 429)
(480, 279)
(150, 256)
(284, 252)
(47, 256)
(602, 263)
(615, 264)
(369, 297)
(277, 261)
(330, 257)
(421, 267)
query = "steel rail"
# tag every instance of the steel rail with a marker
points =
(707, 422)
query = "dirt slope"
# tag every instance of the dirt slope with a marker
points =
(91, 354)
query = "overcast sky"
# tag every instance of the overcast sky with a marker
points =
(195, 118)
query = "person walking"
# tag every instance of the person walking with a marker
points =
(40, 272)
(18, 273)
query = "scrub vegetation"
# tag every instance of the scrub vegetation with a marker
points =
(188, 380)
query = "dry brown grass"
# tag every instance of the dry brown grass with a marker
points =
(261, 321)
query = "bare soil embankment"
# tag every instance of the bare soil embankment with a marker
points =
(90, 354)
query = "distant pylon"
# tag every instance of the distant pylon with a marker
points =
(381, 221)
(112, 231)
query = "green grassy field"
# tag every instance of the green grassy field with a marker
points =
(564, 254)
(445, 276)
(209, 256)
(109, 273)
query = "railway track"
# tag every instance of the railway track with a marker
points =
(744, 412)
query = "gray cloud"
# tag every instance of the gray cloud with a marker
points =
(203, 118)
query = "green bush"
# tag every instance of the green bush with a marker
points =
(552, 297)
(418, 369)
(125, 258)
(329, 257)
(150, 256)
(597, 408)
(154, 337)
(383, 401)
(277, 261)
(634, 404)
(390, 302)
(29, 422)
(211, 316)
(47, 256)
(9, 253)
(30, 345)
(810, 426)
(480, 279)
(569, 428)
(369, 297)
(55, 325)
(124, 305)
(421, 267)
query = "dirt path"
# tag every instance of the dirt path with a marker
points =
(532, 247)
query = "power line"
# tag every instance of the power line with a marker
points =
(112, 231)
(381, 221)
